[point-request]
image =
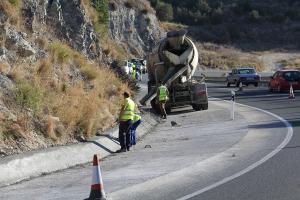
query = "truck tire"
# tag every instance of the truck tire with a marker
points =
(204, 106)
(197, 107)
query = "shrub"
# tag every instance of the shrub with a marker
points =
(101, 6)
(90, 72)
(61, 53)
(254, 16)
(164, 11)
(44, 67)
(29, 95)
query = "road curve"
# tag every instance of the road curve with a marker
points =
(278, 178)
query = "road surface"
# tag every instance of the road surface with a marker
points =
(197, 151)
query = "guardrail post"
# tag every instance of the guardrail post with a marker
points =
(232, 104)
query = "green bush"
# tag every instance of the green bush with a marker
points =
(14, 2)
(164, 11)
(61, 52)
(101, 6)
(29, 96)
(254, 16)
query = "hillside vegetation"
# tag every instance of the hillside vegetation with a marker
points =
(249, 24)
(57, 78)
(240, 31)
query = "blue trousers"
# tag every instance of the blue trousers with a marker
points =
(124, 134)
(133, 131)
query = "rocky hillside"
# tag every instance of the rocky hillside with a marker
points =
(56, 83)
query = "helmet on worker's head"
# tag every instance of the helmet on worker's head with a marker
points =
(176, 38)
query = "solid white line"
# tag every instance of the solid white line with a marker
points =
(254, 165)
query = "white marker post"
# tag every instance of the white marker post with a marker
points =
(233, 102)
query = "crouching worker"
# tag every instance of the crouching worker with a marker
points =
(126, 118)
(136, 122)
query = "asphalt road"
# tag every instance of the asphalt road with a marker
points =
(279, 177)
(200, 149)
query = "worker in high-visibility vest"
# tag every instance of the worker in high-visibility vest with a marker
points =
(126, 117)
(163, 97)
(133, 74)
(136, 122)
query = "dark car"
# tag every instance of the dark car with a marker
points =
(245, 76)
(283, 79)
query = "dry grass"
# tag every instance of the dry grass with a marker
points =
(219, 57)
(42, 42)
(16, 73)
(90, 104)
(12, 9)
(169, 26)
(60, 52)
(44, 68)
(4, 68)
(291, 64)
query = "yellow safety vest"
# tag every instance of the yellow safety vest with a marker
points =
(163, 96)
(136, 118)
(133, 75)
(128, 112)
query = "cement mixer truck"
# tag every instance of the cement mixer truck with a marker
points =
(173, 62)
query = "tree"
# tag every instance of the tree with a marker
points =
(164, 11)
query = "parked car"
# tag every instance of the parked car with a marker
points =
(140, 64)
(283, 79)
(245, 76)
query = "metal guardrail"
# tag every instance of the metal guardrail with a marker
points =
(220, 79)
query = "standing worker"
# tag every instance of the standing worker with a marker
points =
(163, 97)
(126, 117)
(133, 75)
(136, 122)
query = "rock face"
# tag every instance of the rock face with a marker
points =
(30, 50)
(65, 20)
(136, 27)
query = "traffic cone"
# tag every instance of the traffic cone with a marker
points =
(291, 94)
(240, 86)
(97, 190)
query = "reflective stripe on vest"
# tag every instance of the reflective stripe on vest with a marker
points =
(163, 93)
(136, 118)
(133, 75)
(128, 113)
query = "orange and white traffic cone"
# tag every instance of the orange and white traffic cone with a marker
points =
(97, 190)
(291, 93)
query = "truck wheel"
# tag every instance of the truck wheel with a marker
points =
(256, 84)
(197, 107)
(205, 106)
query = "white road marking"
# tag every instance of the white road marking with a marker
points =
(254, 165)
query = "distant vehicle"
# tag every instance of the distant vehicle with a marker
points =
(140, 64)
(125, 66)
(282, 79)
(246, 76)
